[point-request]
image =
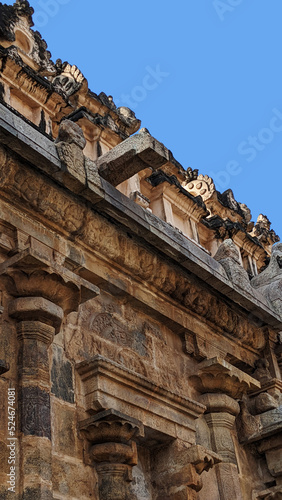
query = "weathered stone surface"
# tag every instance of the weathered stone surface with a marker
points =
(35, 412)
(62, 376)
(265, 402)
(228, 256)
(157, 408)
(216, 375)
(132, 155)
(178, 333)
(25, 308)
(269, 282)
(70, 144)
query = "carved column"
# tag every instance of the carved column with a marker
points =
(112, 450)
(42, 295)
(35, 337)
(220, 417)
(220, 383)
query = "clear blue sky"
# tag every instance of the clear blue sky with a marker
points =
(204, 77)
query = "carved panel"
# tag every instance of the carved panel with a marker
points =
(35, 412)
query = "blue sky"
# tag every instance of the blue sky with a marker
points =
(204, 77)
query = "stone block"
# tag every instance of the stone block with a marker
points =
(131, 156)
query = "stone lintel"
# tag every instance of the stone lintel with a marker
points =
(217, 375)
(131, 156)
(107, 384)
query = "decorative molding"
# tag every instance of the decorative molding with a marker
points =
(112, 449)
(39, 194)
(29, 273)
(108, 384)
(217, 375)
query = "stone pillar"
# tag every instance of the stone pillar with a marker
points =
(112, 450)
(220, 384)
(43, 293)
(220, 416)
(35, 337)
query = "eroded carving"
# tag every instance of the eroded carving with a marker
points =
(69, 79)
(41, 195)
(269, 281)
(228, 256)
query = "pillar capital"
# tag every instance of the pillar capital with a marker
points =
(215, 375)
(35, 330)
(220, 403)
(32, 311)
(112, 450)
(30, 273)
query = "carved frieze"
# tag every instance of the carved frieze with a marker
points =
(37, 193)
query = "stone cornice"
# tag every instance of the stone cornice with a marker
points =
(107, 384)
(26, 188)
(40, 151)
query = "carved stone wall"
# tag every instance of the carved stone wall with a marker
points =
(145, 359)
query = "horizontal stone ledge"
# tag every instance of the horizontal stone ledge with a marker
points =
(16, 133)
(107, 384)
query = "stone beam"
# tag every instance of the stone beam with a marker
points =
(131, 156)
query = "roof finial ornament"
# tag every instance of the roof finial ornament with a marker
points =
(23, 8)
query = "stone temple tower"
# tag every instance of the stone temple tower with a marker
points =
(140, 308)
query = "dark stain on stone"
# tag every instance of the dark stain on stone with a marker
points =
(2, 92)
(139, 343)
(42, 124)
(35, 493)
(35, 412)
(61, 377)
